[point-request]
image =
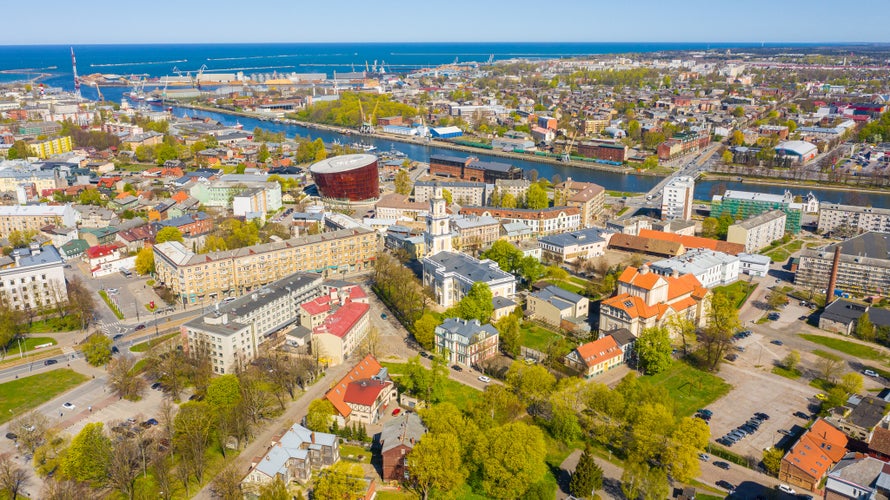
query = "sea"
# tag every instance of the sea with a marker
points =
(18, 63)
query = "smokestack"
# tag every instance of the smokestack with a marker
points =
(832, 279)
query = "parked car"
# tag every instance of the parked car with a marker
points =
(68, 406)
(704, 456)
(786, 489)
(821, 397)
(140, 327)
(726, 485)
(424, 354)
(731, 357)
(761, 416)
(773, 316)
(483, 378)
(383, 316)
(396, 411)
(800, 414)
(156, 385)
(457, 368)
(786, 432)
(777, 342)
(117, 337)
(803, 318)
(870, 373)
(50, 362)
(114, 349)
(112, 290)
(722, 465)
(11, 435)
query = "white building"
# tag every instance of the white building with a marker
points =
(711, 268)
(569, 247)
(754, 264)
(759, 231)
(33, 278)
(33, 217)
(676, 202)
(438, 225)
(833, 216)
(452, 274)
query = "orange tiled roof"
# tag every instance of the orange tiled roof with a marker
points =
(599, 351)
(179, 196)
(818, 449)
(365, 369)
(694, 241)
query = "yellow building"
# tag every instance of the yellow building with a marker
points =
(50, 147)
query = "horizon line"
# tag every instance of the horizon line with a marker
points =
(763, 43)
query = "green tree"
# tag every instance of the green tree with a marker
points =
(508, 334)
(88, 457)
(508, 201)
(688, 440)
(275, 490)
(403, 182)
(145, 261)
(791, 360)
(532, 383)
(90, 197)
(738, 112)
(20, 150)
(722, 323)
(531, 269)
(223, 393)
(654, 350)
(425, 330)
(634, 130)
(263, 155)
(341, 481)
(727, 156)
(851, 383)
(865, 329)
(514, 460)
(709, 227)
(435, 464)
(587, 478)
(506, 255)
(477, 303)
(536, 198)
(650, 162)
(449, 199)
(737, 138)
(97, 349)
(213, 243)
(169, 233)
(776, 298)
(319, 415)
(772, 460)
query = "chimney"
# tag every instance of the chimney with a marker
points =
(313, 437)
(644, 269)
(832, 278)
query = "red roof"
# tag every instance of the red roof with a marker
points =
(365, 368)
(343, 319)
(102, 250)
(364, 392)
(317, 306)
(818, 449)
(694, 241)
(598, 351)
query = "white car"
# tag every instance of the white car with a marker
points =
(787, 489)
(870, 373)
(704, 456)
(68, 406)
(112, 290)
(483, 378)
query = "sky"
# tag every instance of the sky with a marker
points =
(299, 21)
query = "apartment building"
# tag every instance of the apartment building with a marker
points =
(518, 188)
(758, 231)
(569, 247)
(33, 217)
(863, 267)
(837, 217)
(711, 268)
(33, 278)
(50, 147)
(194, 278)
(42, 180)
(676, 200)
(462, 193)
(466, 342)
(339, 320)
(586, 197)
(475, 232)
(222, 193)
(745, 204)
(233, 334)
(542, 222)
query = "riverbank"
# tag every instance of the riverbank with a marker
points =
(769, 181)
(625, 169)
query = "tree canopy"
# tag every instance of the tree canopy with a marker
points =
(169, 233)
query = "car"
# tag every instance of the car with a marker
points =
(761, 416)
(821, 397)
(731, 357)
(383, 316)
(229, 299)
(726, 442)
(115, 350)
(784, 488)
(50, 362)
(112, 290)
(68, 406)
(776, 342)
(152, 421)
(396, 411)
(424, 354)
(117, 337)
(483, 378)
(139, 327)
(704, 456)
(726, 485)
(707, 413)
(156, 385)
(785, 432)
(803, 318)
(457, 368)
(870, 373)
(11, 435)
(722, 465)
(800, 414)
(773, 316)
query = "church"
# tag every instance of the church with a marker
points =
(450, 274)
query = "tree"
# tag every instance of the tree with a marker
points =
(865, 329)
(727, 156)
(828, 367)
(425, 330)
(223, 393)
(507, 256)
(275, 490)
(514, 460)
(709, 227)
(650, 162)
(851, 383)
(169, 233)
(191, 436)
(32, 429)
(654, 350)
(12, 477)
(776, 298)
(683, 329)
(403, 182)
(737, 138)
(341, 481)
(20, 150)
(508, 200)
(123, 379)
(536, 198)
(723, 321)
(477, 303)
(689, 438)
(738, 112)
(508, 334)
(124, 464)
(145, 261)
(532, 383)
(791, 360)
(227, 484)
(531, 269)
(89, 455)
(772, 460)
(449, 199)
(97, 349)
(587, 478)
(319, 415)
(435, 464)
(213, 243)
(81, 300)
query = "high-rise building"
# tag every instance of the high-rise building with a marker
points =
(741, 205)
(676, 202)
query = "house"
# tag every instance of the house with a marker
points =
(502, 307)
(558, 307)
(858, 477)
(859, 417)
(646, 299)
(396, 442)
(570, 247)
(813, 455)
(362, 394)
(339, 320)
(841, 316)
(594, 358)
(293, 457)
(626, 341)
(466, 342)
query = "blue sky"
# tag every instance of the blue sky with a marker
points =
(194, 21)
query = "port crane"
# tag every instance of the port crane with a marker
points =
(197, 81)
(567, 154)
(99, 92)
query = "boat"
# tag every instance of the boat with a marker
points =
(367, 148)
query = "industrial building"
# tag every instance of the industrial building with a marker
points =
(801, 151)
(471, 169)
(352, 178)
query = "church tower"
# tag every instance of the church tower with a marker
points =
(438, 226)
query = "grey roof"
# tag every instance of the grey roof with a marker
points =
(474, 221)
(405, 430)
(560, 298)
(868, 413)
(846, 312)
(502, 302)
(862, 471)
(447, 184)
(47, 255)
(469, 267)
(562, 240)
(295, 443)
(695, 262)
(872, 245)
(466, 328)
(761, 219)
(622, 337)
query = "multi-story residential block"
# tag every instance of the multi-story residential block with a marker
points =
(758, 231)
(709, 267)
(194, 278)
(518, 188)
(585, 196)
(363, 394)
(397, 439)
(452, 274)
(474, 233)
(556, 307)
(190, 225)
(683, 143)
(234, 333)
(462, 193)
(293, 457)
(595, 358)
(542, 222)
(466, 342)
(863, 265)
(852, 218)
(569, 247)
(50, 147)
(33, 278)
(33, 217)
(339, 320)
(222, 193)
(12, 178)
(742, 205)
(676, 200)
(646, 299)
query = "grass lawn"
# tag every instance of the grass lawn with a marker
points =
(566, 285)
(826, 355)
(26, 393)
(793, 246)
(779, 255)
(784, 372)
(623, 211)
(51, 325)
(394, 495)
(738, 292)
(822, 385)
(352, 453)
(148, 344)
(30, 343)
(454, 392)
(117, 312)
(578, 281)
(689, 387)
(537, 337)
(847, 347)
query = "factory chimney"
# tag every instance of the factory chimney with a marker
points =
(832, 279)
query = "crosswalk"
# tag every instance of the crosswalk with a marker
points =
(110, 327)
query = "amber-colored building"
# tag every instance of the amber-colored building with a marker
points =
(810, 459)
